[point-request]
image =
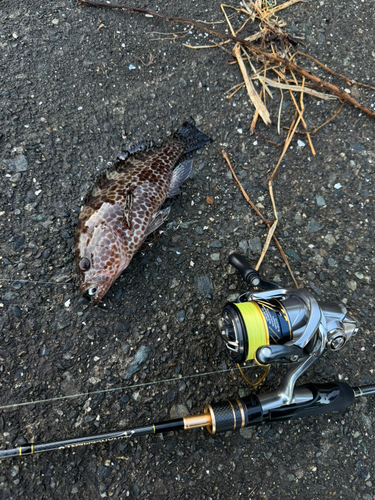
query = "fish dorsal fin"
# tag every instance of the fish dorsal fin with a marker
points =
(124, 158)
(179, 175)
(128, 209)
(140, 147)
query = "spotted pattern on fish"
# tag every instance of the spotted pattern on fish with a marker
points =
(122, 208)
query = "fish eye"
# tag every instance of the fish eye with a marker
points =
(92, 291)
(84, 264)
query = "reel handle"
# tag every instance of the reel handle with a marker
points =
(248, 274)
(268, 354)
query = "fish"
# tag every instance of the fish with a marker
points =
(124, 206)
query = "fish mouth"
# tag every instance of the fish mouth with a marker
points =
(93, 293)
(96, 287)
(89, 296)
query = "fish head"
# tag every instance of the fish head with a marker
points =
(101, 256)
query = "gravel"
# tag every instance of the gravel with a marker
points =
(68, 104)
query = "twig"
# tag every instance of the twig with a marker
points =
(320, 126)
(266, 222)
(286, 145)
(221, 46)
(243, 191)
(266, 244)
(255, 117)
(267, 140)
(283, 6)
(304, 123)
(334, 73)
(279, 115)
(150, 60)
(238, 87)
(295, 88)
(300, 112)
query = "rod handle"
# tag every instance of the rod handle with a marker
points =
(235, 414)
(326, 398)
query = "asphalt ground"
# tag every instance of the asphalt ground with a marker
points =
(76, 85)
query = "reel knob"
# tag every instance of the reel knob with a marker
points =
(336, 339)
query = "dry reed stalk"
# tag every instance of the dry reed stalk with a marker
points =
(252, 93)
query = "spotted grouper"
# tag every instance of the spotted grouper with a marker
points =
(123, 207)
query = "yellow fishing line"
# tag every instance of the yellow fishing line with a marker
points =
(255, 325)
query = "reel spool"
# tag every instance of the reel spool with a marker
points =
(246, 326)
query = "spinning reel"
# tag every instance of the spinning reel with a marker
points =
(281, 325)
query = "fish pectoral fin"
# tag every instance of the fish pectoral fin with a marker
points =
(158, 219)
(179, 175)
(128, 209)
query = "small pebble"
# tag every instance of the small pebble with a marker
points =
(215, 257)
(320, 201)
(313, 226)
(205, 285)
(232, 297)
(244, 246)
(216, 244)
(292, 253)
(330, 239)
(174, 283)
(14, 470)
(178, 411)
(255, 245)
(181, 316)
(139, 359)
(18, 164)
(358, 147)
(17, 312)
(19, 243)
(352, 285)
(247, 433)
(315, 288)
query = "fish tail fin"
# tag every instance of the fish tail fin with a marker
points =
(192, 136)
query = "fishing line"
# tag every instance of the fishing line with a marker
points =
(128, 387)
(33, 281)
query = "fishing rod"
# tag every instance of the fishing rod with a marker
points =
(273, 326)
(230, 415)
